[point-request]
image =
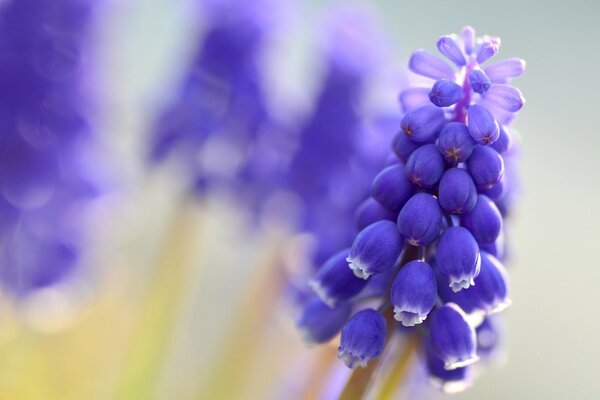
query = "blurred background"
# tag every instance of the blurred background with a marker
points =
(178, 293)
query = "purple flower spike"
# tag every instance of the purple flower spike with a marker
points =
(457, 193)
(391, 188)
(334, 282)
(484, 220)
(448, 47)
(506, 97)
(458, 257)
(403, 146)
(487, 49)
(375, 249)
(468, 36)
(504, 70)
(504, 142)
(453, 381)
(482, 125)
(363, 338)
(413, 293)
(445, 93)
(425, 166)
(452, 339)
(479, 81)
(319, 323)
(485, 166)
(414, 97)
(424, 123)
(420, 220)
(455, 143)
(427, 64)
(371, 211)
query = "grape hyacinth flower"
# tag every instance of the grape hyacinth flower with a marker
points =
(440, 267)
(363, 338)
(45, 182)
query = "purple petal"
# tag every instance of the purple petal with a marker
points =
(414, 97)
(448, 47)
(505, 69)
(507, 97)
(427, 64)
(488, 49)
(468, 37)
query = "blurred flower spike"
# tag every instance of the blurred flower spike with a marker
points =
(46, 178)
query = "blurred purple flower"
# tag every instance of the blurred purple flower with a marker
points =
(43, 135)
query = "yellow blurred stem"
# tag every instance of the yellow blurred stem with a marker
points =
(320, 374)
(394, 379)
(161, 308)
(226, 380)
(360, 381)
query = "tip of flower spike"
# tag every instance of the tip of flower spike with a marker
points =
(461, 363)
(407, 318)
(322, 293)
(462, 282)
(358, 268)
(350, 360)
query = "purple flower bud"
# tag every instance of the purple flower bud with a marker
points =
(496, 248)
(482, 125)
(504, 142)
(424, 123)
(449, 381)
(425, 166)
(458, 257)
(484, 220)
(369, 212)
(426, 64)
(363, 338)
(403, 146)
(490, 293)
(448, 47)
(488, 338)
(468, 36)
(457, 193)
(498, 191)
(420, 220)
(455, 142)
(375, 249)
(487, 49)
(503, 70)
(319, 323)
(414, 97)
(485, 166)
(452, 338)
(335, 282)
(391, 188)
(444, 93)
(479, 81)
(506, 97)
(413, 293)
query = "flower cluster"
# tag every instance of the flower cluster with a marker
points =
(44, 182)
(431, 243)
